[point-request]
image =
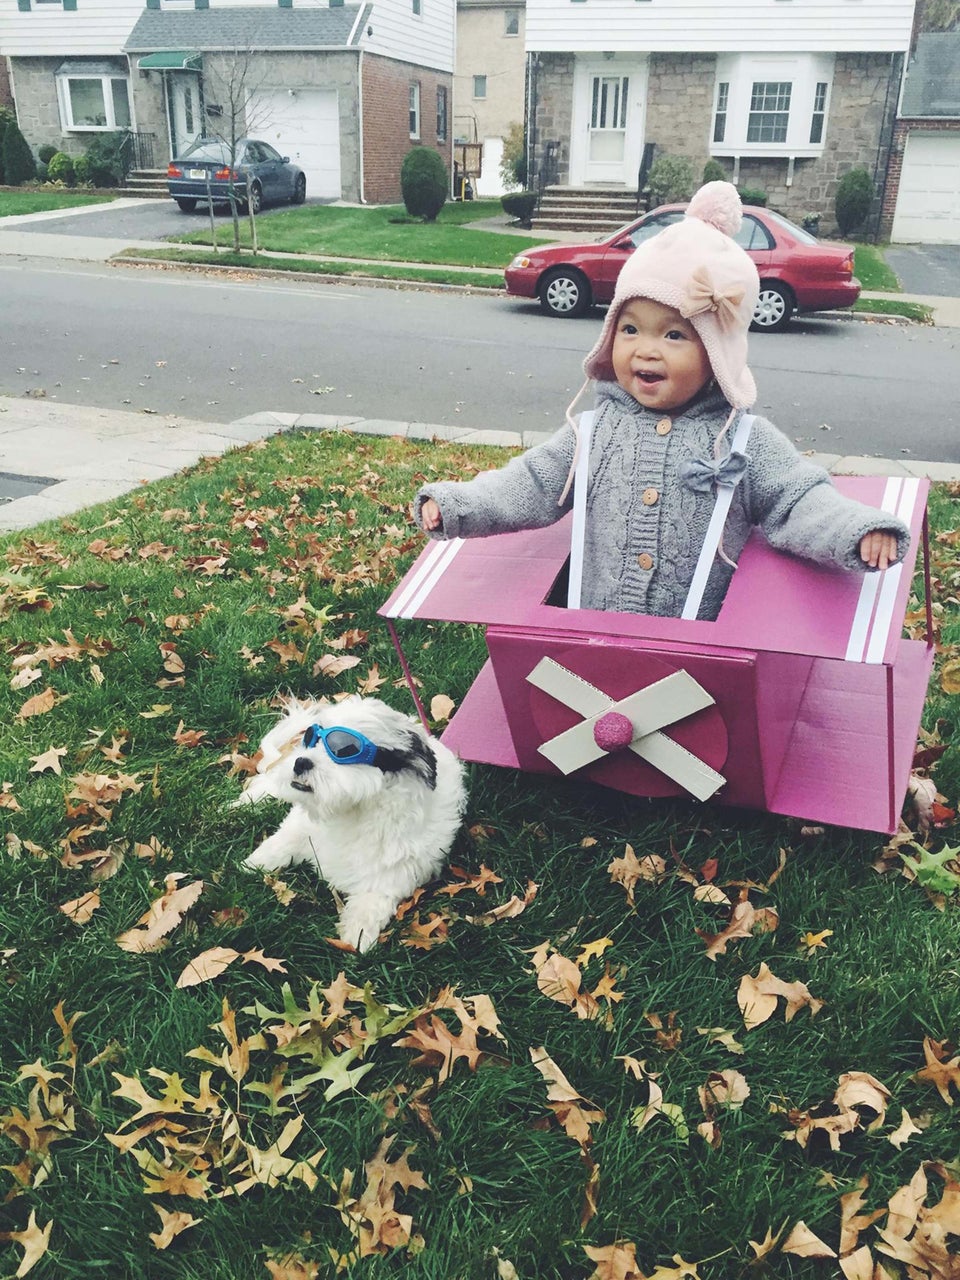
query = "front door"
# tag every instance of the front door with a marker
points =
(186, 113)
(607, 122)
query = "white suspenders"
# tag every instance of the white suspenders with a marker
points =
(710, 544)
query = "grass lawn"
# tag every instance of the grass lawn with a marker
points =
(281, 1119)
(376, 233)
(894, 307)
(20, 202)
(872, 271)
(263, 261)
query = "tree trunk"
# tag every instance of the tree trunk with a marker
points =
(213, 224)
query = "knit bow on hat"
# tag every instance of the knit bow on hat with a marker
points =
(701, 295)
(701, 474)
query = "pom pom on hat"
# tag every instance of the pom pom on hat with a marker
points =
(718, 204)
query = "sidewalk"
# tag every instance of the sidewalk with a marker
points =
(99, 454)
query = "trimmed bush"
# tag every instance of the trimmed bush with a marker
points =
(46, 153)
(6, 117)
(19, 165)
(105, 160)
(60, 169)
(424, 182)
(81, 170)
(853, 200)
(713, 171)
(670, 178)
(751, 195)
(520, 205)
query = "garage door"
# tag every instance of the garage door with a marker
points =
(303, 124)
(928, 201)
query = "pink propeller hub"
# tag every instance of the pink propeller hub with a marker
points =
(613, 731)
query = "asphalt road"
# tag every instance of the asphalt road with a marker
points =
(216, 349)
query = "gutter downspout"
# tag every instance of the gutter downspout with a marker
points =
(363, 198)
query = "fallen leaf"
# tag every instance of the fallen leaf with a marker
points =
(441, 708)
(757, 998)
(805, 1244)
(81, 909)
(172, 1223)
(904, 1131)
(39, 704)
(723, 1090)
(745, 921)
(937, 1072)
(617, 1261)
(162, 918)
(49, 759)
(629, 869)
(209, 964)
(33, 1240)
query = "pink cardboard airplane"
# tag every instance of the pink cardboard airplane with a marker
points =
(802, 698)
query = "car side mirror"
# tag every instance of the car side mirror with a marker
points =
(285, 160)
(623, 243)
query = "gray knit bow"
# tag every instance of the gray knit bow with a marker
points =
(701, 474)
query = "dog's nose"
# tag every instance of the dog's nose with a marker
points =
(301, 765)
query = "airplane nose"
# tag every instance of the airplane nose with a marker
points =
(301, 765)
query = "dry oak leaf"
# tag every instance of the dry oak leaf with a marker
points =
(81, 909)
(162, 918)
(805, 1244)
(49, 759)
(292, 1267)
(209, 964)
(655, 1106)
(591, 949)
(476, 882)
(629, 869)
(560, 980)
(7, 799)
(575, 1113)
(33, 1240)
(767, 1244)
(507, 910)
(939, 1073)
(720, 1035)
(811, 941)
(904, 1131)
(745, 921)
(723, 1090)
(860, 1265)
(172, 1222)
(188, 737)
(682, 1271)
(852, 1221)
(439, 1046)
(859, 1089)
(617, 1261)
(441, 708)
(39, 704)
(757, 998)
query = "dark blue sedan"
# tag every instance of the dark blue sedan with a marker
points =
(204, 173)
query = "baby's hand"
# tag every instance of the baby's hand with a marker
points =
(878, 549)
(430, 516)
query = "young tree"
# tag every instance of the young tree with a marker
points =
(233, 82)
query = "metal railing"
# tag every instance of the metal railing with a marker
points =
(137, 150)
(549, 172)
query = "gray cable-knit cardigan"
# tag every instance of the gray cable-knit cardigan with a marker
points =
(645, 523)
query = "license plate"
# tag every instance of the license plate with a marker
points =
(197, 173)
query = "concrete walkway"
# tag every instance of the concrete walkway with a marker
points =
(99, 454)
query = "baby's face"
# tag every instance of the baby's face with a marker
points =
(657, 355)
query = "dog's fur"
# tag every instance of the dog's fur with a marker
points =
(374, 832)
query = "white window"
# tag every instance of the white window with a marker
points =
(511, 22)
(771, 105)
(93, 102)
(414, 109)
(479, 86)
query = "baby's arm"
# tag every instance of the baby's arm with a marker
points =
(878, 549)
(430, 516)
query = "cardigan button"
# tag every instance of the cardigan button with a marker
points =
(663, 427)
(645, 561)
(650, 497)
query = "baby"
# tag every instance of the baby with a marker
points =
(672, 387)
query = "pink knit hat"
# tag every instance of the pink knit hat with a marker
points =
(697, 268)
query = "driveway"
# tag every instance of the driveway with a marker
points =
(932, 270)
(132, 220)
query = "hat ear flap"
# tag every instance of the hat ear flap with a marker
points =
(416, 756)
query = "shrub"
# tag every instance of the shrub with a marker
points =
(853, 200)
(81, 170)
(41, 171)
(60, 169)
(6, 117)
(19, 165)
(46, 153)
(424, 183)
(752, 195)
(670, 178)
(513, 162)
(713, 171)
(520, 205)
(105, 160)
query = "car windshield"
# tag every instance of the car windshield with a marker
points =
(798, 233)
(209, 150)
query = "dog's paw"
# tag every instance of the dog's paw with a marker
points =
(263, 860)
(362, 919)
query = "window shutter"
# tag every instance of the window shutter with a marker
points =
(285, 4)
(23, 6)
(153, 4)
(69, 5)
(201, 4)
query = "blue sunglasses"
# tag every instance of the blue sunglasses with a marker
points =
(343, 746)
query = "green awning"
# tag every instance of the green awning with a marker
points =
(170, 62)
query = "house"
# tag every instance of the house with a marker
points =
(489, 84)
(344, 89)
(921, 201)
(786, 94)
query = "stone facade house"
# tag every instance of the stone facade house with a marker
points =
(344, 89)
(921, 199)
(488, 87)
(787, 95)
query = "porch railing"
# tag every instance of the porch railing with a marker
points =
(549, 171)
(646, 160)
(137, 150)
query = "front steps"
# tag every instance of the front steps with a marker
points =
(149, 184)
(597, 210)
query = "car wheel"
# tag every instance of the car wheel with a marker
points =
(186, 204)
(299, 190)
(774, 308)
(565, 292)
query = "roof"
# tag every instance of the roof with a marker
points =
(257, 28)
(932, 86)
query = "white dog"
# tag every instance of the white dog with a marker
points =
(376, 805)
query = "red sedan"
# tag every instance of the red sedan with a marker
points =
(797, 271)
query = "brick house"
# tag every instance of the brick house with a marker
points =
(921, 198)
(786, 94)
(344, 89)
